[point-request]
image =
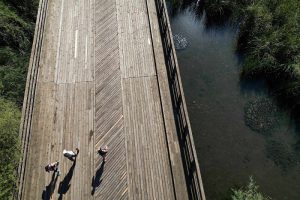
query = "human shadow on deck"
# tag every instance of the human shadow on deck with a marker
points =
(64, 185)
(96, 179)
(47, 193)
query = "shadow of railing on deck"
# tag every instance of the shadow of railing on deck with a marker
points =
(188, 153)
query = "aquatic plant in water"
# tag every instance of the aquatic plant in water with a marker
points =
(261, 115)
(283, 155)
(249, 193)
(180, 42)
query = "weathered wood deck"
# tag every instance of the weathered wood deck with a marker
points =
(97, 76)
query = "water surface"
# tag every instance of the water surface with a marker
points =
(228, 150)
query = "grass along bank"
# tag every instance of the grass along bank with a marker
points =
(17, 20)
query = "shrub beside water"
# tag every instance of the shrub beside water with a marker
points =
(219, 11)
(248, 193)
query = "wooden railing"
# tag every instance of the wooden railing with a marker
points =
(187, 147)
(30, 91)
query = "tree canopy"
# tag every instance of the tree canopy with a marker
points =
(17, 19)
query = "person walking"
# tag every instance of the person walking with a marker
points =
(53, 167)
(103, 152)
(71, 154)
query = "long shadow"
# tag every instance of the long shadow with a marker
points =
(47, 193)
(64, 185)
(96, 179)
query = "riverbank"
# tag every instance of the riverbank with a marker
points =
(270, 41)
(231, 146)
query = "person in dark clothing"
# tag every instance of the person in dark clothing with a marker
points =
(103, 152)
(53, 167)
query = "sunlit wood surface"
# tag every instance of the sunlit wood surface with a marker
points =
(101, 81)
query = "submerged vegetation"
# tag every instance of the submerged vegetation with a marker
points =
(261, 115)
(17, 19)
(284, 156)
(180, 42)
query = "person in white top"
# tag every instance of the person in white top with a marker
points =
(71, 154)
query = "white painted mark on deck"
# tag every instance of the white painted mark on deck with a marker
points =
(76, 43)
(86, 52)
(149, 41)
(59, 41)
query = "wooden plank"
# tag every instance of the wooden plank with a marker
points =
(41, 132)
(110, 180)
(63, 109)
(50, 42)
(147, 159)
(171, 132)
(134, 39)
(30, 92)
(97, 86)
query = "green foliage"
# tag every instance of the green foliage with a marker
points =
(27, 9)
(217, 9)
(13, 70)
(9, 147)
(221, 10)
(16, 33)
(176, 3)
(248, 193)
(272, 46)
(269, 37)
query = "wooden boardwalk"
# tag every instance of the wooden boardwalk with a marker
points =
(97, 76)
